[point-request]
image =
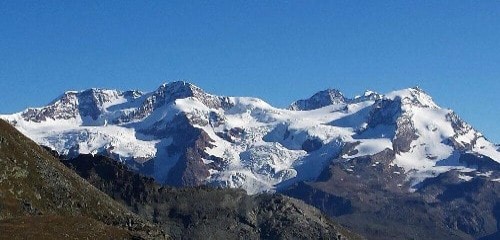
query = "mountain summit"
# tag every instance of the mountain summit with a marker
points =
(319, 100)
(183, 136)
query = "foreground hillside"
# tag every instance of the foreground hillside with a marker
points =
(41, 199)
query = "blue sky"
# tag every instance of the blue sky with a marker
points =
(279, 51)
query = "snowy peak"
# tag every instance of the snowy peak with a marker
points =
(180, 90)
(319, 100)
(367, 96)
(88, 103)
(167, 94)
(170, 92)
(420, 116)
(176, 90)
(163, 95)
(413, 97)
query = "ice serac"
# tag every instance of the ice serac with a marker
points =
(319, 100)
(181, 135)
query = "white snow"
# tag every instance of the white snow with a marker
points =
(371, 146)
(465, 177)
(487, 148)
(486, 174)
(62, 135)
(410, 94)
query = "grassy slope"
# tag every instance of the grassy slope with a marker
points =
(59, 227)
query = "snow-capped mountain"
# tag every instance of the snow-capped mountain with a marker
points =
(181, 135)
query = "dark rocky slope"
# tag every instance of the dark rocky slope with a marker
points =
(36, 188)
(371, 196)
(207, 213)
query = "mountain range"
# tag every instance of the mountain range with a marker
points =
(183, 136)
(390, 164)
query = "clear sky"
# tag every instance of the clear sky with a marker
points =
(279, 51)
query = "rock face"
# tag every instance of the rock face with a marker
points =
(319, 100)
(168, 93)
(33, 183)
(183, 136)
(87, 104)
(202, 212)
